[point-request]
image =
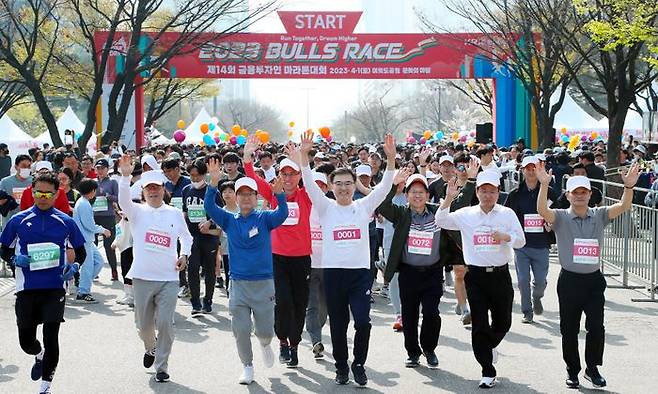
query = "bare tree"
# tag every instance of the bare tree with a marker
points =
(11, 93)
(479, 91)
(251, 116)
(164, 94)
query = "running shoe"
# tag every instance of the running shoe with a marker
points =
(397, 326)
(37, 369)
(161, 377)
(149, 358)
(86, 299)
(247, 375)
(318, 349)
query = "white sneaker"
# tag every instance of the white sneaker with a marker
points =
(268, 355)
(247, 375)
(487, 383)
(494, 356)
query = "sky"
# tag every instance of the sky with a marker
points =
(326, 100)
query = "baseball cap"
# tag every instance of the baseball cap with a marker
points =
(415, 178)
(488, 177)
(363, 169)
(320, 176)
(285, 163)
(102, 163)
(529, 160)
(43, 165)
(445, 158)
(319, 155)
(246, 182)
(150, 160)
(174, 155)
(641, 149)
(575, 182)
(153, 177)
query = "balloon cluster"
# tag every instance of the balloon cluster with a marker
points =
(427, 138)
(573, 139)
(213, 135)
(324, 132)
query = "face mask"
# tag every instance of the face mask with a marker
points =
(198, 185)
(24, 172)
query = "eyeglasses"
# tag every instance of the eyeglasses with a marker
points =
(343, 184)
(40, 194)
(461, 167)
(289, 174)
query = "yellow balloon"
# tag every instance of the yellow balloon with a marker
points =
(244, 132)
(290, 132)
(180, 124)
(291, 124)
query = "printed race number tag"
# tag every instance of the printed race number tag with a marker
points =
(43, 255)
(196, 213)
(345, 237)
(586, 251)
(316, 236)
(157, 241)
(100, 204)
(293, 214)
(484, 242)
(177, 202)
(420, 242)
(17, 192)
(533, 223)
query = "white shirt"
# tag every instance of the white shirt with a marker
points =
(345, 238)
(316, 239)
(155, 232)
(476, 227)
(270, 174)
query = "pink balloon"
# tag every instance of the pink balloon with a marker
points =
(179, 136)
(330, 138)
(216, 140)
(472, 134)
(423, 140)
(233, 140)
(583, 138)
(411, 140)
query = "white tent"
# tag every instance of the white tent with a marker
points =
(633, 121)
(572, 116)
(158, 138)
(193, 132)
(68, 121)
(16, 139)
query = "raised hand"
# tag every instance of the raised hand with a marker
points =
(277, 185)
(250, 148)
(307, 141)
(472, 168)
(452, 190)
(401, 175)
(126, 165)
(631, 176)
(542, 176)
(294, 153)
(424, 155)
(389, 147)
(215, 171)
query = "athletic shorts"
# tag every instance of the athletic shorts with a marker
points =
(34, 307)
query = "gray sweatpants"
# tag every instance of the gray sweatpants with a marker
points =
(247, 297)
(316, 312)
(155, 303)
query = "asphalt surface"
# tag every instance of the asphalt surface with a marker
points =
(101, 353)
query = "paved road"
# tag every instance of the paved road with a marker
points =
(100, 353)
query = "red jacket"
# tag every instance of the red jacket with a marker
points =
(61, 202)
(294, 240)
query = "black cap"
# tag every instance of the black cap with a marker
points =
(102, 163)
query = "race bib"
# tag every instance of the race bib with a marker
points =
(17, 192)
(118, 231)
(316, 236)
(43, 255)
(346, 237)
(293, 214)
(533, 223)
(261, 203)
(100, 204)
(157, 241)
(586, 251)
(484, 242)
(420, 242)
(196, 213)
(177, 202)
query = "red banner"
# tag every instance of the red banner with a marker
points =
(321, 45)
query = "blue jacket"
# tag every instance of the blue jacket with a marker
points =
(248, 237)
(83, 214)
(34, 226)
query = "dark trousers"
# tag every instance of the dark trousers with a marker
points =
(182, 275)
(348, 290)
(489, 292)
(291, 286)
(126, 263)
(226, 267)
(27, 338)
(204, 254)
(109, 223)
(420, 288)
(578, 293)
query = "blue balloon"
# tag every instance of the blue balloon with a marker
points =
(211, 126)
(439, 135)
(208, 140)
(241, 139)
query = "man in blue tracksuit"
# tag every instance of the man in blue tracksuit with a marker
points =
(251, 272)
(35, 242)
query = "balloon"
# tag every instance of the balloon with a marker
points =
(208, 140)
(180, 124)
(179, 136)
(594, 135)
(233, 140)
(263, 136)
(214, 120)
(325, 132)
(472, 134)
(77, 136)
(236, 129)
(565, 138)
(439, 135)
(216, 140)
(411, 140)
(204, 128)
(290, 132)
(427, 134)
(216, 134)
(223, 137)
(583, 138)
(211, 126)
(244, 132)
(455, 135)
(563, 130)
(330, 138)
(202, 144)
(422, 140)
(241, 139)
(291, 124)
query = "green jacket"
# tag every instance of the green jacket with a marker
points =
(400, 216)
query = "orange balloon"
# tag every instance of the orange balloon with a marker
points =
(325, 132)
(217, 134)
(236, 129)
(204, 128)
(244, 132)
(290, 132)
(427, 134)
(264, 137)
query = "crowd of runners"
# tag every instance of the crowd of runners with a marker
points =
(301, 235)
